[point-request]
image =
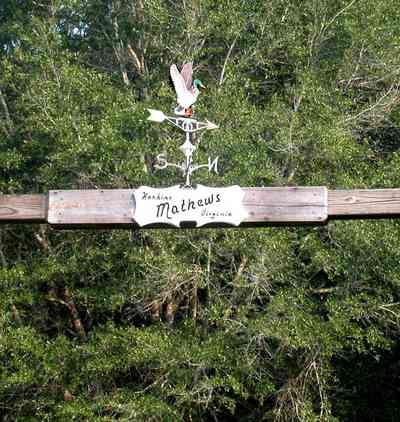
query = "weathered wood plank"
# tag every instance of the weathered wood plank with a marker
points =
(109, 207)
(265, 206)
(23, 208)
(116, 208)
(291, 205)
(364, 203)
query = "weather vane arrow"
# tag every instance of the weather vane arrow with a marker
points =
(186, 124)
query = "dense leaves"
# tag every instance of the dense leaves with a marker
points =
(271, 324)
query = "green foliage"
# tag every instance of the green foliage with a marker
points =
(277, 324)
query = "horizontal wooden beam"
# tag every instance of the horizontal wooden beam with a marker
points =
(285, 205)
(264, 206)
(116, 208)
(23, 208)
(364, 203)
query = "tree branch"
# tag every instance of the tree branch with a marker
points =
(339, 13)
(240, 270)
(41, 237)
(117, 46)
(6, 111)
(137, 62)
(221, 78)
(15, 314)
(74, 315)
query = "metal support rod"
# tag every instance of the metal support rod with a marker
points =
(189, 126)
(188, 161)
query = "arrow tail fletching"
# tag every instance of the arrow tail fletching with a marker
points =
(156, 115)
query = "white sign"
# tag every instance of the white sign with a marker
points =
(177, 204)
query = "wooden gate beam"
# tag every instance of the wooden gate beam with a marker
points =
(23, 208)
(116, 208)
(265, 206)
(364, 203)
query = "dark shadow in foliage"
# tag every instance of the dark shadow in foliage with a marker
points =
(245, 411)
(273, 78)
(331, 52)
(368, 387)
(383, 140)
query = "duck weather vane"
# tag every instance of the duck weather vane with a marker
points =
(187, 91)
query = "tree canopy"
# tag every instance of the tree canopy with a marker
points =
(276, 324)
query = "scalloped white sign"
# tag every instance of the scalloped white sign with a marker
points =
(201, 204)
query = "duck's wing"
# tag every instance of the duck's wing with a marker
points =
(177, 79)
(187, 74)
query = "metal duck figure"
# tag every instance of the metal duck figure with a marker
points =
(186, 90)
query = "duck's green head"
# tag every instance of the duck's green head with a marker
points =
(198, 84)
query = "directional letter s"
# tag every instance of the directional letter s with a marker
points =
(161, 162)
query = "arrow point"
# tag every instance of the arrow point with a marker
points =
(211, 125)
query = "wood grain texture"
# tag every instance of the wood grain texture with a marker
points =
(364, 203)
(91, 208)
(23, 208)
(116, 208)
(290, 205)
(265, 206)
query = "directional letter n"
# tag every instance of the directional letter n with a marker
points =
(213, 165)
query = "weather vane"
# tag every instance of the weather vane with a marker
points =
(187, 90)
(186, 205)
